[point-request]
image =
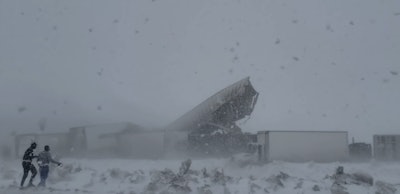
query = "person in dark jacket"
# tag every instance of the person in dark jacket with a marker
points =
(44, 160)
(27, 164)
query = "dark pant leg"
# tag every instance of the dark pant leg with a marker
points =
(42, 175)
(25, 166)
(44, 172)
(33, 171)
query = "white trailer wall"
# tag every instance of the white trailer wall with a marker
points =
(299, 146)
(387, 147)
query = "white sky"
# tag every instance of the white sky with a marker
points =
(318, 65)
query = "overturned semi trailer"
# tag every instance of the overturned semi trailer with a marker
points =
(210, 127)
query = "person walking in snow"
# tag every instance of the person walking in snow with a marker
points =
(44, 160)
(27, 164)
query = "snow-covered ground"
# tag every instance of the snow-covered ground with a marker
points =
(206, 176)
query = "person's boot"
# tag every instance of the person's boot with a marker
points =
(41, 183)
(31, 184)
(22, 183)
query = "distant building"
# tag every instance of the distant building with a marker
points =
(123, 139)
(387, 147)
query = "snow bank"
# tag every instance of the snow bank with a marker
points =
(240, 174)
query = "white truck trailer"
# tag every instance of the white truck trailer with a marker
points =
(302, 146)
(387, 147)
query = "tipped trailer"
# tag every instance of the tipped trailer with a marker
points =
(208, 129)
(303, 146)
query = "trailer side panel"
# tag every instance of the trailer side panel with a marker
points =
(308, 146)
